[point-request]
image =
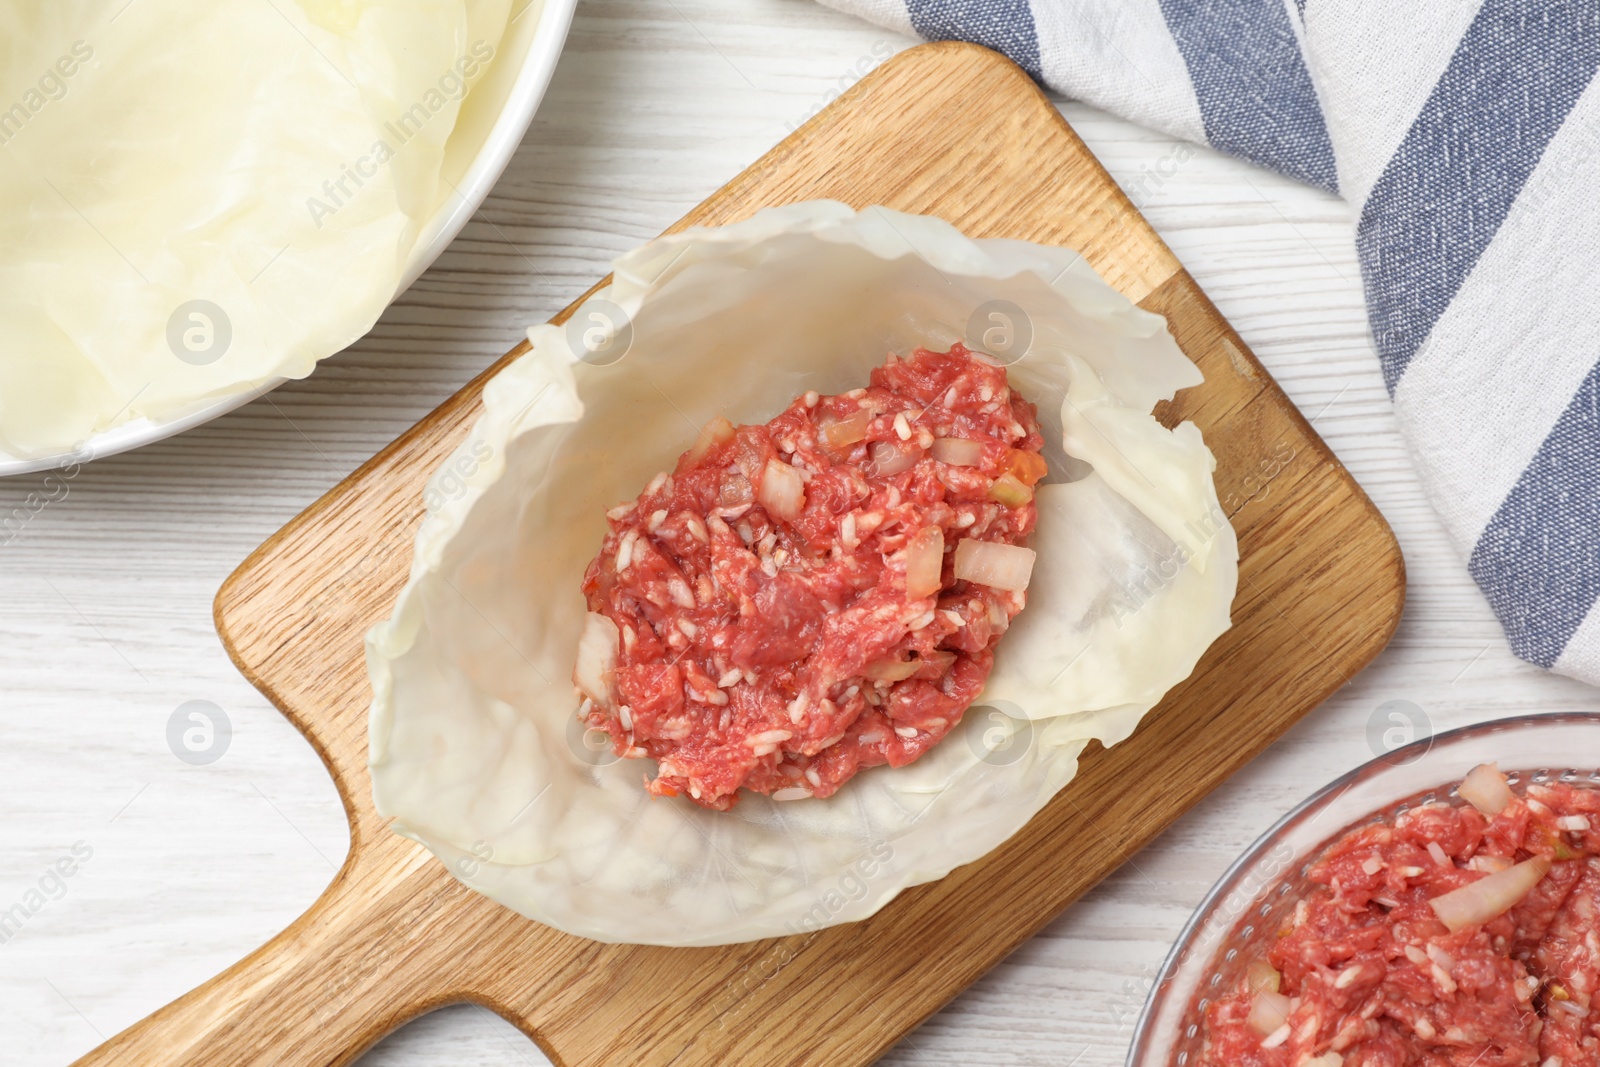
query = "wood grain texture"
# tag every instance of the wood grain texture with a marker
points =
(946, 130)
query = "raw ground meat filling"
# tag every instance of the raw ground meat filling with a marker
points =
(1366, 974)
(786, 601)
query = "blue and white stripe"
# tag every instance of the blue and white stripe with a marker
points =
(1466, 135)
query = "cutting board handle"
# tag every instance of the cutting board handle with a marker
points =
(357, 965)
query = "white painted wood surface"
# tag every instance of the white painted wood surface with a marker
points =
(107, 591)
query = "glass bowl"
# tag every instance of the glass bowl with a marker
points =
(1239, 916)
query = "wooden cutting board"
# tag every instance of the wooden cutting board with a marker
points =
(949, 130)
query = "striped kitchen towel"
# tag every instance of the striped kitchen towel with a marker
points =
(1465, 134)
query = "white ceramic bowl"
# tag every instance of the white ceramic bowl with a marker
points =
(491, 126)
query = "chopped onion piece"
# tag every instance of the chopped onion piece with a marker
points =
(1011, 492)
(597, 658)
(718, 431)
(1490, 896)
(1262, 976)
(888, 459)
(1485, 788)
(957, 451)
(892, 670)
(783, 491)
(924, 562)
(839, 434)
(1268, 1012)
(1008, 567)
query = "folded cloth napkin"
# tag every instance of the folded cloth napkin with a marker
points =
(1464, 134)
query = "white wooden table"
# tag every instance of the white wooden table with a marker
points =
(107, 592)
